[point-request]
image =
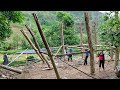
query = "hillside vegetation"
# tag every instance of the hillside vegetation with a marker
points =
(51, 26)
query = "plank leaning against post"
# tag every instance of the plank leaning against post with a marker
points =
(37, 46)
(32, 45)
(46, 44)
(92, 64)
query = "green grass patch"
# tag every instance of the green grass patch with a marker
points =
(18, 63)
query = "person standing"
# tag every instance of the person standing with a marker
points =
(86, 56)
(70, 54)
(5, 58)
(101, 60)
(65, 52)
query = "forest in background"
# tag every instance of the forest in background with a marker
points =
(50, 21)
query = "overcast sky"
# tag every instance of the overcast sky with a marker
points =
(103, 11)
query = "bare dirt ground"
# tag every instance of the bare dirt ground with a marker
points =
(35, 71)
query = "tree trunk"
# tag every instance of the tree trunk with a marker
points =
(62, 39)
(46, 44)
(117, 49)
(92, 64)
(37, 46)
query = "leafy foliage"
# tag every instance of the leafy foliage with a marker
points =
(50, 22)
(110, 30)
(7, 17)
(66, 18)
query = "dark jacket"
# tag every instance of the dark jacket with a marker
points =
(5, 58)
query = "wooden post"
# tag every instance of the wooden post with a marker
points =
(117, 48)
(81, 44)
(37, 46)
(32, 45)
(46, 45)
(81, 34)
(92, 64)
(62, 39)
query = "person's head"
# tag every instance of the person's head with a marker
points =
(65, 47)
(86, 49)
(101, 52)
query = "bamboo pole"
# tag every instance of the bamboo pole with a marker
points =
(46, 45)
(57, 51)
(62, 39)
(16, 57)
(92, 64)
(37, 46)
(81, 34)
(32, 45)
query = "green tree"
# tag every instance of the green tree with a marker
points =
(6, 18)
(70, 37)
(110, 31)
(66, 18)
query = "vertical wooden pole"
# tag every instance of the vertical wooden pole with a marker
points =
(46, 45)
(117, 48)
(81, 44)
(32, 45)
(62, 39)
(37, 46)
(81, 34)
(92, 64)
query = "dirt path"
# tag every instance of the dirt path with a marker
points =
(35, 71)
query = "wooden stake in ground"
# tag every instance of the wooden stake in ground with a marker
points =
(46, 45)
(117, 48)
(62, 39)
(81, 44)
(32, 45)
(37, 46)
(92, 64)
